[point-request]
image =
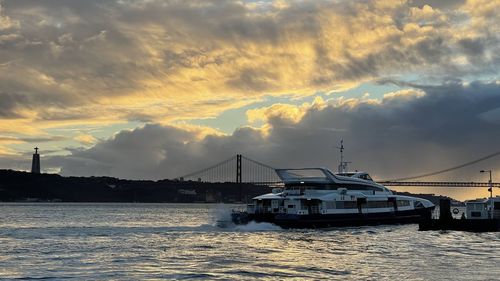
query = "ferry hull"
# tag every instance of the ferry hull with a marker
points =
(335, 220)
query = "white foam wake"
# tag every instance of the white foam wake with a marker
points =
(222, 213)
(257, 226)
(221, 217)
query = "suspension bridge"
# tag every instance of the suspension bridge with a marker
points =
(237, 169)
(241, 169)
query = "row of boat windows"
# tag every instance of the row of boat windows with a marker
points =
(482, 206)
(476, 206)
(332, 186)
(368, 204)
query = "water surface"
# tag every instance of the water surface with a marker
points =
(181, 241)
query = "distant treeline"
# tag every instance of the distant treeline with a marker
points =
(431, 197)
(24, 186)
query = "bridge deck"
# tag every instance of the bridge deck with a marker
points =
(439, 183)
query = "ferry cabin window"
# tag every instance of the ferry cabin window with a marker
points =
(346, 205)
(378, 204)
(403, 203)
(361, 187)
(330, 204)
(353, 205)
(478, 206)
(332, 186)
(366, 177)
(266, 203)
(418, 204)
(475, 214)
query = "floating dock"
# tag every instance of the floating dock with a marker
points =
(480, 216)
(481, 225)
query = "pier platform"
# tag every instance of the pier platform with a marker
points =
(480, 216)
(484, 225)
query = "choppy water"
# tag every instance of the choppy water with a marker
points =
(174, 241)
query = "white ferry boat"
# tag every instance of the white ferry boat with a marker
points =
(480, 209)
(316, 197)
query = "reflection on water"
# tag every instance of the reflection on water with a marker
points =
(173, 241)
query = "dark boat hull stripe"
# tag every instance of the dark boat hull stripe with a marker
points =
(335, 220)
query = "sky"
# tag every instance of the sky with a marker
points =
(157, 89)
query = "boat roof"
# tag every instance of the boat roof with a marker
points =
(323, 176)
(306, 175)
(483, 200)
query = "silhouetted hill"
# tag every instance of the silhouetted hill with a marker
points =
(431, 197)
(24, 186)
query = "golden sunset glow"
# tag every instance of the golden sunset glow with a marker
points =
(261, 74)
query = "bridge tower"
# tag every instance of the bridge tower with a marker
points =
(35, 163)
(238, 168)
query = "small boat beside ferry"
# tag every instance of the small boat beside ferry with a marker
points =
(481, 215)
(316, 198)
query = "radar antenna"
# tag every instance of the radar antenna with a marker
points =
(343, 164)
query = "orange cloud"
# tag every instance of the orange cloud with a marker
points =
(169, 62)
(86, 139)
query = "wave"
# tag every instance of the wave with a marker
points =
(222, 219)
(258, 226)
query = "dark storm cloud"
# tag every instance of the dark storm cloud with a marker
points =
(32, 140)
(472, 47)
(253, 80)
(12, 104)
(45, 115)
(15, 162)
(107, 62)
(151, 146)
(93, 50)
(9, 103)
(402, 135)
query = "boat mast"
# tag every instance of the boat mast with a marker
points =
(343, 164)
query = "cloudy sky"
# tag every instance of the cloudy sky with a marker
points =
(155, 89)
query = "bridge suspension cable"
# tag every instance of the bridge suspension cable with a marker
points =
(258, 163)
(239, 169)
(446, 170)
(207, 169)
(259, 173)
(439, 183)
